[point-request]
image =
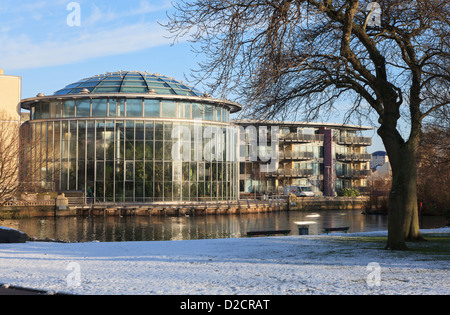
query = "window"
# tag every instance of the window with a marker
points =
(55, 109)
(99, 107)
(151, 108)
(68, 109)
(168, 109)
(209, 112)
(197, 111)
(134, 107)
(184, 110)
(83, 108)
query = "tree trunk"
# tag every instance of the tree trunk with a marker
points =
(403, 219)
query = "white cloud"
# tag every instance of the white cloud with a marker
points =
(106, 14)
(22, 53)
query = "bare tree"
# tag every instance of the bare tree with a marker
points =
(284, 57)
(18, 171)
(9, 157)
(434, 169)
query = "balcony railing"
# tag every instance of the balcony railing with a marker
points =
(355, 140)
(292, 155)
(295, 137)
(299, 173)
(354, 157)
(354, 174)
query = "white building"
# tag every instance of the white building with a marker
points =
(379, 158)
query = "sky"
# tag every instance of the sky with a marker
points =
(52, 43)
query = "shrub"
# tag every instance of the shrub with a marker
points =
(348, 192)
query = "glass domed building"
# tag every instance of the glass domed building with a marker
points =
(133, 137)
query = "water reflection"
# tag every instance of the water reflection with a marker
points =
(117, 229)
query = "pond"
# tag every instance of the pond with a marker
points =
(119, 229)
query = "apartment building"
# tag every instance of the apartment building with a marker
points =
(326, 157)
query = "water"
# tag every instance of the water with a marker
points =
(119, 229)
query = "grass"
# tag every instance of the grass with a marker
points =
(435, 245)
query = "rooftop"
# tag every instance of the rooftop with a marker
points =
(129, 82)
(245, 122)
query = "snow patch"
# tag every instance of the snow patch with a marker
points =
(319, 264)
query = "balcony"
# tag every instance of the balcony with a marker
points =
(300, 138)
(354, 157)
(296, 173)
(354, 174)
(299, 156)
(366, 141)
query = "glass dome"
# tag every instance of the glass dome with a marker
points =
(129, 82)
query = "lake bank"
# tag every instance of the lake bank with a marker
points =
(164, 228)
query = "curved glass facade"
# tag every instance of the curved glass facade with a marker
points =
(134, 148)
(128, 107)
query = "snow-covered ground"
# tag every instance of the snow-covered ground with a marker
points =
(324, 264)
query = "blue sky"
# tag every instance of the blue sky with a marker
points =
(37, 43)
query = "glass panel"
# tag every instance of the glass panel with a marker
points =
(184, 110)
(112, 108)
(62, 92)
(159, 131)
(81, 140)
(149, 179)
(151, 108)
(55, 109)
(69, 109)
(109, 171)
(219, 113)
(133, 90)
(167, 191)
(158, 172)
(134, 107)
(81, 175)
(107, 89)
(129, 171)
(45, 110)
(140, 131)
(158, 150)
(88, 84)
(110, 83)
(72, 174)
(129, 135)
(209, 112)
(120, 104)
(134, 83)
(129, 150)
(163, 91)
(197, 111)
(79, 90)
(113, 78)
(152, 84)
(139, 172)
(149, 131)
(168, 109)
(168, 150)
(83, 108)
(99, 107)
(99, 191)
(149, 150)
